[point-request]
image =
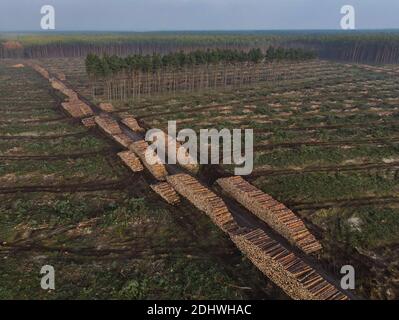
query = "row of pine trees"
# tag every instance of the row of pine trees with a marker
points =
(106, 66)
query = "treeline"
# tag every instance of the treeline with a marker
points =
(124, 44)
(357, 46)
(132, 77)
(370, 52)
(104, 66)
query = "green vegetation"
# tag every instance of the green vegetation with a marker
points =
(316, 187)
(316, 156)
(103, 244)
(109, 65)
(366, 227)
(361, 46)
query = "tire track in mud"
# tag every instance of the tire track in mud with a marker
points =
(27, 109)
(282, 125)
(71, 188)
(132, 252)
(222, 104)
(292, 145)
(33, 121)
(330, 127)
(43, 137)
(358, 202)
(56, 157)
(345, 168)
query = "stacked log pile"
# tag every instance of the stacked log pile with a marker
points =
(282, 266)
(123, 140)
(166, 191)
(106, 107)
(60, 86)
(61, 76)
(192, 166)
(112, 128)
(274, 213)
(203, 199)
(130, 159)
(74, 106)
(40, 70)
(292, 274)
(108, 125)
(132, 123)
(89, 122)
(157, 169)
(77, 109)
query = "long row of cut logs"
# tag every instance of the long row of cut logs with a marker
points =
(39, 69)
(131, 123)
(274, 213)
(136, 150)
(108, 124)
(166, 191)
(156, 167)
(130, 159)
(106, 107)
(89, 122)
(111, 127)
(189, 163)
(60, 86)
(297, 278)
(74, 106)
(202, 198)
(77, 109)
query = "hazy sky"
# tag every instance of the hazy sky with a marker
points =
(143, 15)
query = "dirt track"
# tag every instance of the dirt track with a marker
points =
(359, 202)
(331, 127)
(342, 168)
(44, 137)
(59, 119)
(325, 143)
(29, 157)
(82, 187)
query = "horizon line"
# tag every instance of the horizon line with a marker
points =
(49, 32)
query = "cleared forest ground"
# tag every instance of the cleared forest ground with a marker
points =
(327, 95)
(67, 200)
(326, 144)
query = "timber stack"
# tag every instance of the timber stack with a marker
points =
(131, 160)
(203, 198)
(166, 191)
(274, 213)
(157, 169)
(131, 123)
(297, 278)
